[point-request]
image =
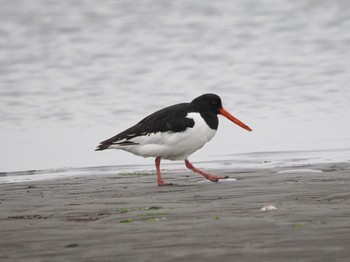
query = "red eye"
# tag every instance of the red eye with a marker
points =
(214, 102)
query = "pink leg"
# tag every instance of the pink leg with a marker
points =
(159, 177)
(207, 176)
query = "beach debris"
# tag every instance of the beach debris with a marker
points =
(126, 221)
(152, 219)
(268, 208)
(124, 210)
(153, 208)
(307, 223)
(298, 225)
(147, 214)
(216, 217)
(155, 219)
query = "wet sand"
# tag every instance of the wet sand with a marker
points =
(127, 217)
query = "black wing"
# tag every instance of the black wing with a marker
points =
(169, 119)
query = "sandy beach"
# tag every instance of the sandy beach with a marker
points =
(74, 73)
(127, 217)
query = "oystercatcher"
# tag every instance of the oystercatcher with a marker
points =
(174, 133)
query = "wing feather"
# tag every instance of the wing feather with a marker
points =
(169, 119)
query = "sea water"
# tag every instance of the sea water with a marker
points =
(74, 73)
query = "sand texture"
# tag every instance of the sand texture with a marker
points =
(127, 217)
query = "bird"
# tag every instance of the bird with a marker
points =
(174, 133)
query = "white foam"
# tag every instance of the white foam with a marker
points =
(299, 171)
(220, 181)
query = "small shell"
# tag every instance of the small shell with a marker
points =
(268, 208)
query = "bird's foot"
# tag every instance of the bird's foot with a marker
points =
(164, 184)
(206, 175)
(215, 178)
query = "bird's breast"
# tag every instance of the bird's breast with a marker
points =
(200, 131)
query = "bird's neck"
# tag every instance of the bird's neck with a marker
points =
(210, 118)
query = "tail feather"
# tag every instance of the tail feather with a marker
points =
(101, 147)
(106, 145)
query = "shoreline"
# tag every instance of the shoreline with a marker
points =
(127, 217)
(244, 160)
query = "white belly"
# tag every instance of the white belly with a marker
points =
(170, 145)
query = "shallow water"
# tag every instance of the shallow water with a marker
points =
(73, 73)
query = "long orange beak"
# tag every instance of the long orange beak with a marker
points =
(233, 119)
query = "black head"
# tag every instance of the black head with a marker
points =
(210, 102)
